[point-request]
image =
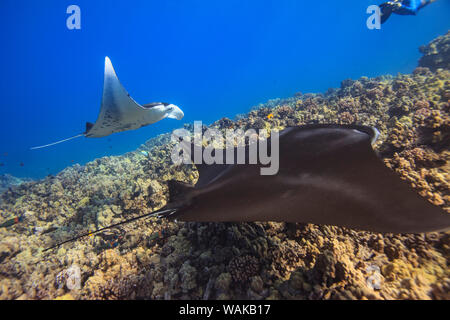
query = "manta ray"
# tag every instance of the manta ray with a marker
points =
(329, 175)
(119, 112)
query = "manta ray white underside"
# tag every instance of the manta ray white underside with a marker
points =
(119, 112)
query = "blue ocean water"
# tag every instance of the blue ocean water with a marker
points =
(212, 58)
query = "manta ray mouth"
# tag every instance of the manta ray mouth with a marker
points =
(175, 112)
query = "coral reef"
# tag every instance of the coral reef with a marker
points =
(158, 259)
(7, 180)
(436, 54)
(242, 268)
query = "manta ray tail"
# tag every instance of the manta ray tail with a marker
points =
(158, 213)
(57, 142)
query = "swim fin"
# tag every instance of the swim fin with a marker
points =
(386, 11)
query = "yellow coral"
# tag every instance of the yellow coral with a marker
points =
(67, 296)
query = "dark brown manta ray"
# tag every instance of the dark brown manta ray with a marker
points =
(328, 175)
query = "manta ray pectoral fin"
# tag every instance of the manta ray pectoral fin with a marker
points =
(207, 172)
(118, 109)
(178, 191)
(89, 126)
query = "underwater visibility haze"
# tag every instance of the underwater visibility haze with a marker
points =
(212, 59)
(357, 208)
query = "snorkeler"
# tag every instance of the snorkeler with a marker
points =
(402, 7)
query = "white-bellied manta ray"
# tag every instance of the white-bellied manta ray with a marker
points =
(119, 112)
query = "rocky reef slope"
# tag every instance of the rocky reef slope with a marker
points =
(157, 259)
(7, 180)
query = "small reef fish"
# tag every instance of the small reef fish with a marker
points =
(145, 153)
(11, 222)
(115, 241)
(161, 234)
(51, 229)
